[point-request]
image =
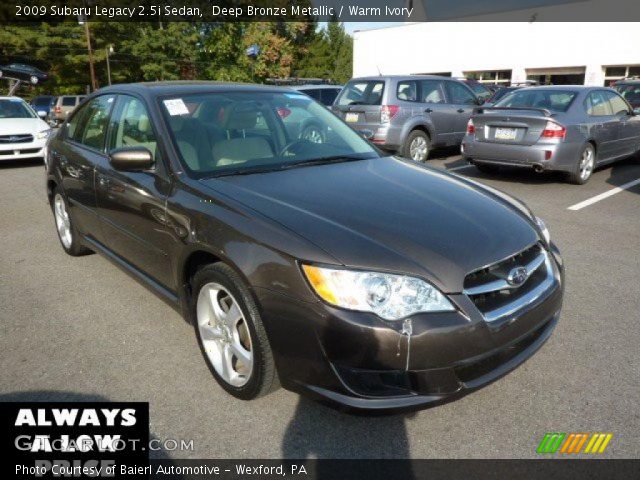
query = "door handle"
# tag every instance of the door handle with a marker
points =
(428, 110)
(461, 110)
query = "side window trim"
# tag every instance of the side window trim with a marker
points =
(77, 112)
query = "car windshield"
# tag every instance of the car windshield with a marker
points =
(553, 100)
(229, 133)
(15, 108)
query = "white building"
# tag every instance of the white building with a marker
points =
(503, 52)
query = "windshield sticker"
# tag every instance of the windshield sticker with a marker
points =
(176, 106)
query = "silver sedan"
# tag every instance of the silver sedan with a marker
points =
(573, 129)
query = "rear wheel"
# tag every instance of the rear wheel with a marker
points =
(230, 332)
(417, 146)
(486, 168)
(584, 166)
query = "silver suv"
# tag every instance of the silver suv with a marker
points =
(408, 114)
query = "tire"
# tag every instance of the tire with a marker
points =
(417, 146)
(486, 168)
(582, 171)
(65, 226)
(224, 338)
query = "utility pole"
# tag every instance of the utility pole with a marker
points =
(82, 20)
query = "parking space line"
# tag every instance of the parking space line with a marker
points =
(604, 195)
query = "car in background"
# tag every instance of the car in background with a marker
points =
(572, 129)
(22, 133)
(407, 114)
(630, 91)
(324, 94)
(481, 90)
(370, 282)
(65, 104)
(43, 103)
(498, 94)
(25, 73)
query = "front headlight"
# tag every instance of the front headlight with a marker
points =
(43, 134)
(543, 229)
(391, 297)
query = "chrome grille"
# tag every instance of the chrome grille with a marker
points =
(497, 298)
(17, 138)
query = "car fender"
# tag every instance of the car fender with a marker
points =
(421, 123)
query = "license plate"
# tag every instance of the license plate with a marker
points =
(506, 133)
(351, 118)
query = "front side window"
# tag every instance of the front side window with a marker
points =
(15, 108)
(234, 132)
(459, 94)
(131, 126)
(89, 125)
(617, 104)
(553, 100)
(367, 92)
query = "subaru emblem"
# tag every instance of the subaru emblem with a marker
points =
(517, 276)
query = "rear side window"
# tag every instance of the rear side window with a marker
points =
(597, 105)
(431, 91)
(89, 125)
(618, 105)
(407, 91)
(553, 100)
(68, 101)
(328, 95)
(459, 94)
(368, 92)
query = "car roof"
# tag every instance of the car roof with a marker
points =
(184, 87)
(309, 87)
(11, 98)
(401, 77)
(634, 81)
(572, 88)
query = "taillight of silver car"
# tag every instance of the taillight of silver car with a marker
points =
(554, 130)
(388, 112)
(471, 128)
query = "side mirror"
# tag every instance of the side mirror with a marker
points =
(131, 159)
(42, 114)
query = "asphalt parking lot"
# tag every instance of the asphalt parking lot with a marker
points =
(80, 329)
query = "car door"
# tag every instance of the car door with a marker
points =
(629, 126)
(131, 204)
(603, 126)
(79, 150)
(462, 102)
(433, 107)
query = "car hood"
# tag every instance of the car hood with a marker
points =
(389, 214)
(10, 126)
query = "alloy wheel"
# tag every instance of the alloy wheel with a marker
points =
(418, 149)
(587, 162)
(62, 221)
(225, 334)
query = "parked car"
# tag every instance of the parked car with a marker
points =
(65, 104)
(43, 104)
(267, 243)
(22, 133)
(324, 94)
(572, 129)
(407, 114)
(481, 90)
(26, 73)
(498, 94)
(630, 91)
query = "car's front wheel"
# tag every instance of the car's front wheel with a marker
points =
(230, 332)
(584, 166)
(67, 233)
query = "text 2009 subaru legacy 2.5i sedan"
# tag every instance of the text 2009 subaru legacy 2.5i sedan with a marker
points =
(572, 129)
(367, 281)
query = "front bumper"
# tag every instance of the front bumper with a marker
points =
(358, 361)
(553, 155)
(18, 151)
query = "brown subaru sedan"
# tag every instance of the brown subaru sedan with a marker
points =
(314, 262)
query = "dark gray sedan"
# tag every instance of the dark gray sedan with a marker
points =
(573, 129)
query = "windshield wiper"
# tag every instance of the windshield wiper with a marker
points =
(324, 161)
